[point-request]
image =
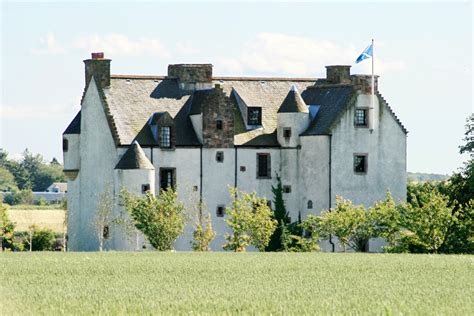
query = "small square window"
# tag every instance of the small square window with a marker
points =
(269, 204)
(360, 118)
(220, 156)
(287, 132)
(145, 188)
(360, 163)
(220, 211)
(65, 145)
(243, 168)
(254, 116)
(219, 124)
(195, 188)
(287, 189)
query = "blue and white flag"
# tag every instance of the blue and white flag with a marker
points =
(367, 53)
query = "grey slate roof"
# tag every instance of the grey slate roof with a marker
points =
(293, 103)
(134, 158)
(75, 125)
(333, 100)
(131, 100)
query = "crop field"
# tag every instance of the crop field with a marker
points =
(231, 283)
(50, 218)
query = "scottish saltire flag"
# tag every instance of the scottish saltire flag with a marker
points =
(367, 53)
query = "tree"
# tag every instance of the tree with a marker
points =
(351, 224)
(7, 181)
(251, 222)
(468, 137)
(160, 219)
(40, 239)
(203, 233)
(310, 227)
(103, 217)
(7, 229)
(424, 223)
(280, 215)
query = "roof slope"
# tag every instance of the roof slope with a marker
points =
(134, 158)
(131, 101)
(293, 103)
(333, 100)
(75, 126)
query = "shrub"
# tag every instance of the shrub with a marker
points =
(40, 239)
(203, 234)
(160, 219)
(251, 222)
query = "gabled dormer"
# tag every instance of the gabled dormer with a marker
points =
(163, 129)
(251, 113)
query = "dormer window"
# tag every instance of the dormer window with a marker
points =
(360, 118)
(165, 137)
(254, 116)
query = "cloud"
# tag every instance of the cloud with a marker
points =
(281, 54)
(121, 45)
(48, 46)
(186, 48)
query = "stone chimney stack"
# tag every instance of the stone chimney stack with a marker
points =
(99, 68)
(338, 74)
(192, 76)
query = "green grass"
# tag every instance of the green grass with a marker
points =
(229, 283)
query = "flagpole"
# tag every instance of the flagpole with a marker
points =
(372, 102)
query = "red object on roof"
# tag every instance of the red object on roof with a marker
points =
(97, 55)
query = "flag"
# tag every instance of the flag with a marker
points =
(367, 53)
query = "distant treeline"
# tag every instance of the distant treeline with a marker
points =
(426, 177)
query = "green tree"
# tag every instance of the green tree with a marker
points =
(160, 219)
(7, 230)
(351, 224)
(251, 222)
(310, 226)
(7, 180)
(424, 224)
(46, 175)
(280, 215)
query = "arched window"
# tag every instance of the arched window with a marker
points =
(310, 204)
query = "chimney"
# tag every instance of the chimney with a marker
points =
(99, 68)
(192, 76)
(338, 74)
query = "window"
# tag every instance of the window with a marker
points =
(269, 204)
(106, 232)
(360, 118)
(263, 166)
(287, 189)
(65, 144)
(310, 204)
(220, 211)
(219, 124)
(254, 116)
(167, 178)
(287, 132)
(165, 137)
(360, 163)
(220, 156)
(243, 168)
(145, 188)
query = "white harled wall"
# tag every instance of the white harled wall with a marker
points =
(98, 157)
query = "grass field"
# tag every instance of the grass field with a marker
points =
(229, 283)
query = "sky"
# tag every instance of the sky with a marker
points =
(423, 54)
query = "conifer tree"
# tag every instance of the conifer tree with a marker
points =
(280, 215)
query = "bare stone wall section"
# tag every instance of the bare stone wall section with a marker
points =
(217, 107)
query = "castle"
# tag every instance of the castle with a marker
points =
(202, 133)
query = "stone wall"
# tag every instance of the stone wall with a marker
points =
(100, 69)
(217, 107)
(191, 73)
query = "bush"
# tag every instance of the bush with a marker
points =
(19, 197)
(42, 239)
(160, 219)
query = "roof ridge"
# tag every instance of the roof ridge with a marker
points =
(152, 77)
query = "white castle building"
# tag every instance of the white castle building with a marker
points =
(201, 134)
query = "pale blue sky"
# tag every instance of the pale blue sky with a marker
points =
(423, 55)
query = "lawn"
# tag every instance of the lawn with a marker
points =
(230, 283)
